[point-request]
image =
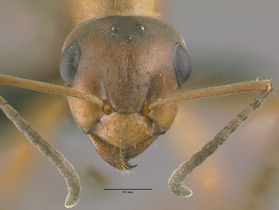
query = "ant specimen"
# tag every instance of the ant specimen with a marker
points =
(123, 73)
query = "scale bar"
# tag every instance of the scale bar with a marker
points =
(128, 189)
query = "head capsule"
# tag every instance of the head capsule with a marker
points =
(127, 61)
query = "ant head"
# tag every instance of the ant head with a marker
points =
(128, 62)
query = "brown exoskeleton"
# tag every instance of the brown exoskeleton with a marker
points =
(127, 62)
(124, 70)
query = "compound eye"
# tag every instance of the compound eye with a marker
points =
(182, 63)
(69, 62)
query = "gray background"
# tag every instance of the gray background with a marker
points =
(228, 40)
